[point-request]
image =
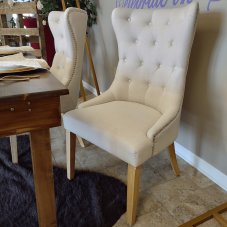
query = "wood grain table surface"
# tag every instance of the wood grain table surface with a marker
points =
(34, 106)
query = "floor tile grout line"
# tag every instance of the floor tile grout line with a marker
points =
(175, 179)
(163, 205)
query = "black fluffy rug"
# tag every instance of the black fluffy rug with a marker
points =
(90, 200)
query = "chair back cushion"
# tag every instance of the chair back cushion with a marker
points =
(69, 30)
(154, 48)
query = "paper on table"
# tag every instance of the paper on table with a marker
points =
(5, 49)
(19, 59)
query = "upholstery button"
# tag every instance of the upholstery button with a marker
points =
(142, 63)
(155, 43)
(169, 23)
(149, 85)
(136, 41)
(125, 59)
(129, 81)
(129, 19)
(59, 22)
(164, 88)
(175, 68)
(159, 66)
(172, 43)
(150, 23)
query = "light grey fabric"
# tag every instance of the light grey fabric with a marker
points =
(154, 48)
(69, 30)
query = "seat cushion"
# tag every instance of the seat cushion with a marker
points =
(118, 127)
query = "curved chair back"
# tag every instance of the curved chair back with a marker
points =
(154, 48)
(69, 30)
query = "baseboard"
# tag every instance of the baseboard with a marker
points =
(204, 167)
(90, 88)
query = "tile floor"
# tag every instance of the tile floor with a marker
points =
(164, 199)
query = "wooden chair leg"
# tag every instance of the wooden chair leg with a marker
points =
(82, 90)
(132, 193)
(81, 141)
(70, 153)
(13, 144)
(173, 159)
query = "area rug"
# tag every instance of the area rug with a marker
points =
(89, 200)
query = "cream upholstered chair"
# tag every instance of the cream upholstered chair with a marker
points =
(69, 30)
(139, 115)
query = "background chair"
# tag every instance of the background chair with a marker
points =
(139, 115)
(69, 30)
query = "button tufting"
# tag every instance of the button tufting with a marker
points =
(159, 66)
(172, 43)
(175, 68)
(59, 22)
(125, 59)
(129, 81)
(142, 63)
(129, 19)
(164, 88)
(136, 41)
(149, 85)
(169, 23)
(150, 23)
(155, 43)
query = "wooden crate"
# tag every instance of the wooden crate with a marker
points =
(36, 35)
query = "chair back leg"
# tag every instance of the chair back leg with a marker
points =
(70, 154)
(13, 144)
(173, 159)
(132, 193)
(81, 141)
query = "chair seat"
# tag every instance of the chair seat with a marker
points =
(119, 127)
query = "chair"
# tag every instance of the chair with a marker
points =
(139, 115)
(69, 30)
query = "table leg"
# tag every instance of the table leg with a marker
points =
(43, 177)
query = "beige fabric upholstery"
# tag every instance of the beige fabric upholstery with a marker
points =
(69, 30)
(139, 115)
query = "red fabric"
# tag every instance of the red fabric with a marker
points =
(50, 49)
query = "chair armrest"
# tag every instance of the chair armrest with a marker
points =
(165, 131)
(107, 96)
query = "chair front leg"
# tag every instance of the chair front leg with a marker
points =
(13, 144)
(132, 193)
(70, 154)
(173, 159)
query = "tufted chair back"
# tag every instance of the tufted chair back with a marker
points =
(69, 30)
(154, 48)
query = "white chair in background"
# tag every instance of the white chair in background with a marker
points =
(69, 30)
(139, 115)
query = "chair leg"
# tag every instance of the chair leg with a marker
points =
(132, 193)
(70, 154)
(13, 144)
(81, 141)
(173, 159)
(82, 90)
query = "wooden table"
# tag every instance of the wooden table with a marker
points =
(34, 106)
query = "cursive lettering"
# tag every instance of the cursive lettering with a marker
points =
(139, 4)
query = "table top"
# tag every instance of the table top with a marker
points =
(45, 86)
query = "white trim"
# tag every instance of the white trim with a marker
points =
(204, 167)
(90, 88)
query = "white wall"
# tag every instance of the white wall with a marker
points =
(203, 128)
